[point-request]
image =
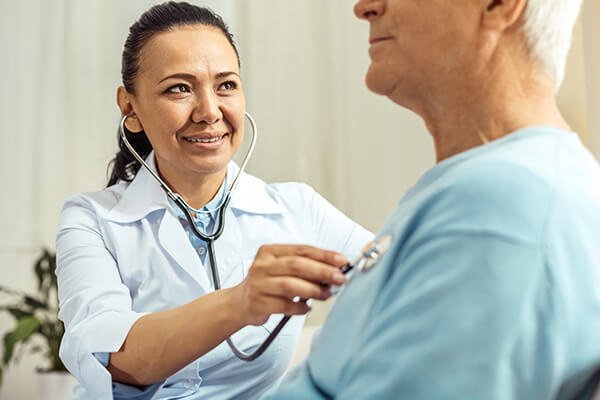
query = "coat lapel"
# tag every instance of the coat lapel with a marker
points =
(175, 241)
(143, 196)
(228, 249)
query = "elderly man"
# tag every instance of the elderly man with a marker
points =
(491, 286)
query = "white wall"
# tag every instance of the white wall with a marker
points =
(303, 65)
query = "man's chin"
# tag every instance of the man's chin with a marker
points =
(390, 87)
(378, 83)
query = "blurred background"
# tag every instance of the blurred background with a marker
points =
(303, 66)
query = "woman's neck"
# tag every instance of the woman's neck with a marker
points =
(197, 190)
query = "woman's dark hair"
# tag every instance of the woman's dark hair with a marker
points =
(160, 18)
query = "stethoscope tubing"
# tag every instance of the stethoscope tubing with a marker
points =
(210, 239)
(166, 187)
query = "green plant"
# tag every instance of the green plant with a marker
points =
(35, 316)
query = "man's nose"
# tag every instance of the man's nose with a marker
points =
(369, 9)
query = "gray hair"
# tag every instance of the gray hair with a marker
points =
(548, 27)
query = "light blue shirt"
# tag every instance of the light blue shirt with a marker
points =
(122, 253)
(204, 221)
(490, 290)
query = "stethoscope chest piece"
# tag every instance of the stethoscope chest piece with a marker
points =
(373, 253)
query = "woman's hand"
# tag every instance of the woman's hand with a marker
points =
(281, 273)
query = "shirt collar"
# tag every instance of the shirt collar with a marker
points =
(205, 217)
(251, 195)
(143, 195)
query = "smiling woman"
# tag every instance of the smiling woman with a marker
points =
(192, 107)
(142, 316)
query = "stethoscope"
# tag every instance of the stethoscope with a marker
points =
(364, 262)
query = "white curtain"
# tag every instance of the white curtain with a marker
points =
(590, 35)
(58, 118)
(303, 65)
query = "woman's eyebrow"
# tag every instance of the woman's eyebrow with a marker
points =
(225, 74)
(191, 77)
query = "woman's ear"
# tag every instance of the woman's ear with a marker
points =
(125, 103)
(500, 15)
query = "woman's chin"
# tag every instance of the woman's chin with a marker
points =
(207, 169)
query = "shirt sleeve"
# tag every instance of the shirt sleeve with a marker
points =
(459, 317)
(95, 305)
(334, 230)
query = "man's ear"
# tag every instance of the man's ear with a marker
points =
(125, 103)
(500, 15)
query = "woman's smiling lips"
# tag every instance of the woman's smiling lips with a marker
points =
(206, 140)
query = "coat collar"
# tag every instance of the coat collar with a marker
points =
(144, 195)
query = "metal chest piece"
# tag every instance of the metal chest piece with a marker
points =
(373, 252)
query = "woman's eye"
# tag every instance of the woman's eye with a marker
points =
(179, 89)
(229, 85)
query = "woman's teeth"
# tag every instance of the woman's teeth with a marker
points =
(211, 140)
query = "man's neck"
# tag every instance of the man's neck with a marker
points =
(490, 105)
(467, 125)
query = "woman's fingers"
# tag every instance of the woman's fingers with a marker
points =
(307, 269)
(258, 312)
(292, 288)
(288, 307)
(281, 273)
(315, 253)
(305, 262)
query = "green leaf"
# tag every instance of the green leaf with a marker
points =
(24, 329)
(39, 271)
(19, 313)
(35, 303)
(44, 268)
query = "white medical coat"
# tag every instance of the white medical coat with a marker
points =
(122, 253)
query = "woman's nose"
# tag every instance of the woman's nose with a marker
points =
(369, 9)
(207, 109)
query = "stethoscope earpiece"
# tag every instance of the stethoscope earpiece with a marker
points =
(174, 196)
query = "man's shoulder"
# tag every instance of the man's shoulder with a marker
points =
(495, 179)
(494, 194)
